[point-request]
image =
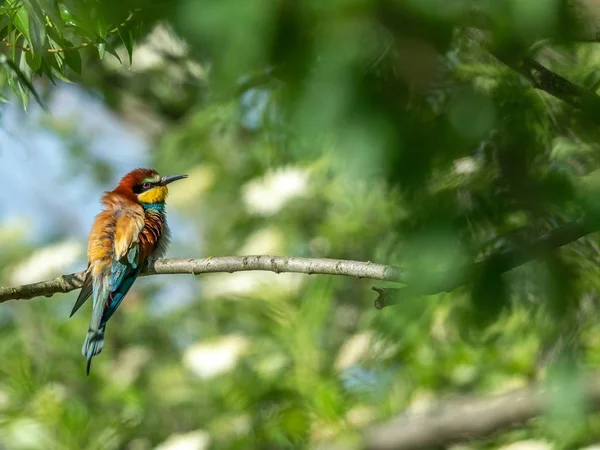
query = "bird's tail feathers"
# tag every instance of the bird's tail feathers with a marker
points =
(93, 344)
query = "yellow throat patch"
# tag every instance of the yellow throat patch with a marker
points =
(157, 194)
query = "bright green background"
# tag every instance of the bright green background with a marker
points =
(353, 129)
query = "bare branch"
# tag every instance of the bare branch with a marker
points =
(470, 418)
(506, 260)
(277, 264)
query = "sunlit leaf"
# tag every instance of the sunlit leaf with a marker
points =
(50, 8)
(21, 21)
(37, 33)
(25, 82)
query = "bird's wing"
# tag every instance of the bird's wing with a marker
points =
(113, 281)
(127, 261)
(86, 291)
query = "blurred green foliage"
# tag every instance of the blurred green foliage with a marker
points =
(354, 129)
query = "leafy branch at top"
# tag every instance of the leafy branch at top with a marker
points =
(43, 38)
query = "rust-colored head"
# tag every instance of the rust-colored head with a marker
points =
(145, 186)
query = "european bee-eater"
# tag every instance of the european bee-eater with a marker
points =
(130, 230)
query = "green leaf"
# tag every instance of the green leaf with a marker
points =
(57, 67)
(37, 32)
(73, 59)
(5, 27)
(53, 35)
(24, 96)
(127, 38)
(59, 61)
(21, 21)
(101, 29)
(58, 74)
(24, 81)
(101, 49)
(46, 69)
(110, 49)
(50, 7)
(34, 60)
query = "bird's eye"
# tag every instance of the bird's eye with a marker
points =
(146, 185)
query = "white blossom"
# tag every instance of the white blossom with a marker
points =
(218, 356)
(245, 283)
(465, 166)
(353, 350)
(46, 262)
(267, 195)
(26, 434)
(266, 241)
(195, 440)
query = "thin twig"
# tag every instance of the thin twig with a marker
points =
(277, 264)
(48, 50)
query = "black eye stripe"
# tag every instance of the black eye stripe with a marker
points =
(139, 188)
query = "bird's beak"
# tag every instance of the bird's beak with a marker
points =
(170, 178)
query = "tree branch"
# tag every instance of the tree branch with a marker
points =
(471, 418)
(277, 264)
(506, 260)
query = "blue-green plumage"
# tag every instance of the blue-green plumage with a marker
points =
(108, 293)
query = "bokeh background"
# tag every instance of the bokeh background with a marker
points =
(403, 132)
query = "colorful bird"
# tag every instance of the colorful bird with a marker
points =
(130, 230)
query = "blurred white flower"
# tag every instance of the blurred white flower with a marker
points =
(267, 195)
(232, 426)
(209, 359)
(164, 39)
(465, 166)
(26, 434)
(46, 262)
(49, 397)
(195, 440)
(463, 374)
(245, 283)
(271, 364)
(422, 401)
(146, 58)
(267, 241)
(151, 53)
(527, 445)
(360, 416)
(353, 350)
